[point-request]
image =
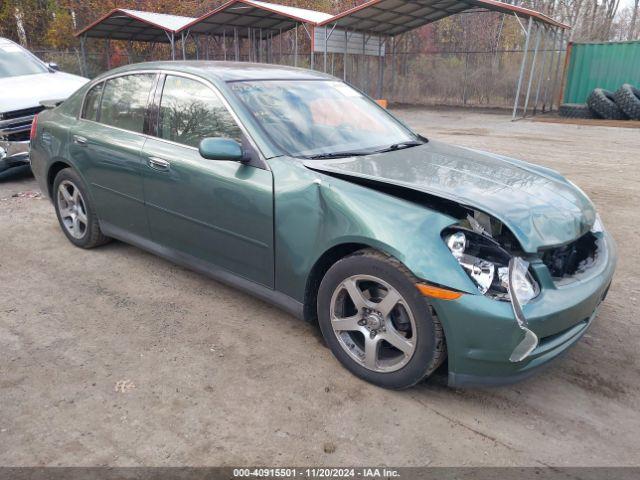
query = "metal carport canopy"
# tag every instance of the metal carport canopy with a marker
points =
(256, 15)
(393, 17)
(134, 25)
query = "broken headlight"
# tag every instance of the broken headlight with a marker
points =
(598, 226)
(487, 264)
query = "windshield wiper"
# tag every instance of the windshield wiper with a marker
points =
(357, 153)
(400, 146)
(360, 153)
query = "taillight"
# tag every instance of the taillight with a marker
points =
(34, 126)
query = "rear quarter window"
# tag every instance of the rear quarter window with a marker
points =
(92, 102)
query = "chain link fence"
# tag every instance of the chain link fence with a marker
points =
(472, 79)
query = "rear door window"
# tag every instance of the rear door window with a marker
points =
(191, 111)
(125, 100)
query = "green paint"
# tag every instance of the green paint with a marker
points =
(271, 225)
(601, 65)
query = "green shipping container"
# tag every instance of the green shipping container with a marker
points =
(600, 65)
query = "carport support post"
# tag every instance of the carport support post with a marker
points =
(392, 87)
(380, 67)
(362, 74)
(311, 36)
(542, 71)
(224, 43)
(295, 46)
(547, 77)
(184, 52)
(235, 43)
(466, 78)
(327, 35)
(326, 40)
(522, 68)
(172, 41)
(250, 44)
(533, 70)
(557, 70)
(344, 60)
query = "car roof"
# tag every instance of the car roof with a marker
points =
(229, 71)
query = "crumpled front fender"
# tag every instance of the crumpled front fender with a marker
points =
(315, 212)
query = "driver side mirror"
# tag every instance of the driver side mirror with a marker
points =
(221, 149)
(53, 66)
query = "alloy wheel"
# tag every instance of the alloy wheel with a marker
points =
(72, 209)
(373, 323)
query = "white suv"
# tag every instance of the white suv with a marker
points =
(25, 81)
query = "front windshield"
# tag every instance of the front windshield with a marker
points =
(15, 61)
(310, 118)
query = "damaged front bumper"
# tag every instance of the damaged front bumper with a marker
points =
(13, 154)
(488, 345)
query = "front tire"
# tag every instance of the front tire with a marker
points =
(377, 323)
(75, 211)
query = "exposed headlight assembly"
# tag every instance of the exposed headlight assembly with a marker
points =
(598, 226)
(518, 271)
(499, 275)
(487, 264)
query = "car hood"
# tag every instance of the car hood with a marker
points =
(27, 91)
(538, 205)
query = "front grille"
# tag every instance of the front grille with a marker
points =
(16, 125)
(572, 258)
(21, 113)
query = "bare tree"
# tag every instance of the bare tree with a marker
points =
(634, 17)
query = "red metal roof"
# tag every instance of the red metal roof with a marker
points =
(244, 14)
(381, 17)
(123, 24)
(392, 17)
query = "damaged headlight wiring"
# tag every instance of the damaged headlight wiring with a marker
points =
(487, 264)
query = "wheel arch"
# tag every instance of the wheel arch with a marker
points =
(318, 271)
(53, 170)
(324, 262)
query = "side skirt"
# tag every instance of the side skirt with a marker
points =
(266, 294)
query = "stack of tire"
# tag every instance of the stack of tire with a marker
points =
(623, 104)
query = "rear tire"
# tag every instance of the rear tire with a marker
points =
(75, 211)
(604, 104)
(627, 98)
(389, 335)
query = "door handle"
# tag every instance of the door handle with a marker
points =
(80, 140)
(159, 164)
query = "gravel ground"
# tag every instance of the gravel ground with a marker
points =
(116, 357)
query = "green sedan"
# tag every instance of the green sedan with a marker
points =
(298, 188)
